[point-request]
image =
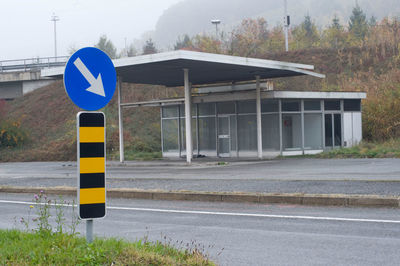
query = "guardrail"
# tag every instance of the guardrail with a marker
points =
(32, 63)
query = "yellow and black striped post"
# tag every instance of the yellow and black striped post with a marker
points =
(91, 165)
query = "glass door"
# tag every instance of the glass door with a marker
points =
(333, 130)
(224, 138)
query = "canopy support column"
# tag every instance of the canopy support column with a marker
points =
(258, 110)
(120, 122)
(188, 116)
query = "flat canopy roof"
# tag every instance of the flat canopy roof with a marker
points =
(204, 68)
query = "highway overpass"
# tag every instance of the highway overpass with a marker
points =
(18, 77)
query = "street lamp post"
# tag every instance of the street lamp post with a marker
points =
(216, 22)
(286, 25)
(55, 18)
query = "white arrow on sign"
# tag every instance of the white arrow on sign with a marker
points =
(96, 84)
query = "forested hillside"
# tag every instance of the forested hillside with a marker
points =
(193, 16)
(356, 55)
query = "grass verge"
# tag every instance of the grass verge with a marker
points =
(136, 155)
(387, 149)
(24, 248)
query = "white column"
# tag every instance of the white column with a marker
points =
(188, 116)
(120, 123)
(258, 110)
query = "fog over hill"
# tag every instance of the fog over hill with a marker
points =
(194, 16)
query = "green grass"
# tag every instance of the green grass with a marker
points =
(23, 248)
(387, 149)
(136, 155)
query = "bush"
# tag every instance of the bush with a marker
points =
(11, 134)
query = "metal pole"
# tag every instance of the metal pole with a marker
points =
(89, 231)
(216, 22)
(120, 122)
(280, 127)
(258, 109)
(302, 125)
(286, 26)
(188, 116)
(55, 18)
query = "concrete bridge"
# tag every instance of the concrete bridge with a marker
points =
(18, 77)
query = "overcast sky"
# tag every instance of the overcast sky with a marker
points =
(26, 29)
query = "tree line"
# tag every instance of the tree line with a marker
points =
(254, 37)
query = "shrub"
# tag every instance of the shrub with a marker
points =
(11, 134)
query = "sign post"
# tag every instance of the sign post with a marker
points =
(90, 81)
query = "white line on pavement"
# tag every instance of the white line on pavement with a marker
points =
(258, 215)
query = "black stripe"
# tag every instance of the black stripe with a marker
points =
(91, 120)
(95, 149)
(88, 211)
(92, 180)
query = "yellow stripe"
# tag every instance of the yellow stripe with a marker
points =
(92, 195)
(92, 165)
(91, 134)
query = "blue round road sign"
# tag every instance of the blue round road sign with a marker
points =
(90, 78)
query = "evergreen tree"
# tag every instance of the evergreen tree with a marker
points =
(306, 34)
(358, 25)
(128, 51)
(107, 46)
(183, 43)
(149, 47)
(308, 26)
(334, 35)
(336, 23)
(372, 21)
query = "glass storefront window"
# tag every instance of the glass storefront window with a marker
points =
(170, 111)
(353, 105)
(247, 133)
(226, 108)
(269, 106)
(290, 106)
(291, 131)
(246, 107)
(206, 109)
(332, 105)
(312, 131)
(312, 105)
(182, 110)
(207, 134)
(170, 135)
(270, 131)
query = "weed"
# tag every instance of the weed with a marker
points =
(42, 208)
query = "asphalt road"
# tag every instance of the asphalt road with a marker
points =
(248, 234)
(350, 176)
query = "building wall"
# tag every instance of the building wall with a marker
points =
(352, 128)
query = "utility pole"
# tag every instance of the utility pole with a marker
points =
(216, 22)
(55, 18)
(286, 25)
(126, 49)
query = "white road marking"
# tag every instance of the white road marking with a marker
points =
(258, 215)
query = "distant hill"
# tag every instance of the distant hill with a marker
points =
(194, 16)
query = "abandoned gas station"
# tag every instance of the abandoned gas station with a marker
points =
(230, 108)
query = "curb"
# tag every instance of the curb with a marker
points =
(263, 198)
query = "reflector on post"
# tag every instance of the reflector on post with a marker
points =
(91, 165)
